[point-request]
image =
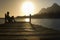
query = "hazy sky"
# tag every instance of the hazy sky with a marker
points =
(14, 6)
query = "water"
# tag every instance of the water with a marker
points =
(49, 23)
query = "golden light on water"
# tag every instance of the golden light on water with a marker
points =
(28, 8)
(27, 20)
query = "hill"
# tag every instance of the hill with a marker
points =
(50, 12)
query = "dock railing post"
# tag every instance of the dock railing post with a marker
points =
(30, 18)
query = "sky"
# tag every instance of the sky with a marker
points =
(14, 6)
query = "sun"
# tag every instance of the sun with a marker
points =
(28, 8)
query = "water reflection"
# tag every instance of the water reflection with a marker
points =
(27, 20)
(22, 19)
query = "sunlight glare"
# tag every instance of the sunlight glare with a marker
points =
(28, 8)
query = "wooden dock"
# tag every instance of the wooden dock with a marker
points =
(27, 31)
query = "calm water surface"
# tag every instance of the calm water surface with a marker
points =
(50, 23)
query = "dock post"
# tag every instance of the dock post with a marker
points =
(30, 18)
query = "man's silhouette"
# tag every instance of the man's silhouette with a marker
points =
(7, 18)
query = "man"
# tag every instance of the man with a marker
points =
(7, 18)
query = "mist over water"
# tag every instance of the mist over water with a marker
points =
(49, 23)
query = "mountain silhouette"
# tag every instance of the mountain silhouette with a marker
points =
(50, 12)
(54, 8)
(55, 5)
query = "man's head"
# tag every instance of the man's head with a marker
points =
(7, 12)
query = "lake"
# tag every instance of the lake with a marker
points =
(49, 23)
